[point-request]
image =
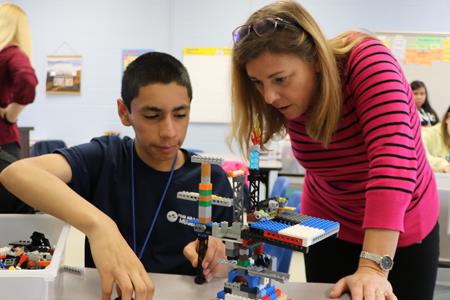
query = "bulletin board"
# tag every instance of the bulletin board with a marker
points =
(210, 73)
(425, 57)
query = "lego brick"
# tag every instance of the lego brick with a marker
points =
(284, 238)
(323, 224)
(222, 201)
(190, 196)
(235, 297)
(248, 234)
(206, 159)
(291, 219)
(309, 235)
(269, 225)
(302, 232)
(205, 186)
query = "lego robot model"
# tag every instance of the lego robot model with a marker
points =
(268, 221)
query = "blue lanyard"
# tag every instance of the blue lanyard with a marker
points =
(163, 196)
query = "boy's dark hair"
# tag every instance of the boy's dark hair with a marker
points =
(153, 67)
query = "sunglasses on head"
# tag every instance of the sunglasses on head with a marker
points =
(261, 28)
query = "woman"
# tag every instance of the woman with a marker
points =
(17, 78)
(437, 143)
(347, 107)
(428, 116)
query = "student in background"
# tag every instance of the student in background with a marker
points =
(118, 191)
(428, 116)
(9, 204)
(437, 143)
(349, 111)
(17, 78)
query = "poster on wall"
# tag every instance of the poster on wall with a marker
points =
(128, 55)
(63, 74)
(210, 73)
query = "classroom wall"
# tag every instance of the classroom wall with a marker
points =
(100, 29)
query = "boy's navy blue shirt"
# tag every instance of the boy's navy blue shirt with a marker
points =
(101, 173)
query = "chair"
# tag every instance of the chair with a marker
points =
(294, 200)
(279, 189)
(46, 146)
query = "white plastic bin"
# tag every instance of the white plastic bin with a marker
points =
(31, 284)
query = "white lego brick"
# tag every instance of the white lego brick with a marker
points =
(236, 297)
(190, 196)
(221, 201)
(207, 159)
(307, 234)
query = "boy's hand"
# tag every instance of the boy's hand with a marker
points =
(211, 266)
(117, 263)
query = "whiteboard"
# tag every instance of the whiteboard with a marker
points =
(209, 70)
(424, 57)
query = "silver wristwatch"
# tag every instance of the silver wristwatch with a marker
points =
(385, 262)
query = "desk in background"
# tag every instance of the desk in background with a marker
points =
(443, 184)
(87, 287)
(267, 167)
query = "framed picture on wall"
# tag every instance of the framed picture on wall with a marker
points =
(128, 55)
(63, 74)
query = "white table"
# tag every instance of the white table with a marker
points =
(443, 184)
(74, 287)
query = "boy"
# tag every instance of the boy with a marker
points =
(118, 184)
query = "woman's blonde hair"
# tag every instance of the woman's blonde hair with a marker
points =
(307, 42)
(14, 28)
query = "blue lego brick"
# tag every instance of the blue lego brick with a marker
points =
(252, 281)
(268, 291)
(221, 295)
(233, 273)
(254, 159)
(325, 225)
(196, 221)
(269, 225)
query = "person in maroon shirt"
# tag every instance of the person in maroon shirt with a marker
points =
(17, 77)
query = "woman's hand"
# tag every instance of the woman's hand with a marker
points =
(117, 263)
(366, 283)
(211, 266)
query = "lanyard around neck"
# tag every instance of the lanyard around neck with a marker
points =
(133, 215)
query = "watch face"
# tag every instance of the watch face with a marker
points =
(386, 263)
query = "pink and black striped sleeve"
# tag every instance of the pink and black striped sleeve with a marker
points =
(389, 124)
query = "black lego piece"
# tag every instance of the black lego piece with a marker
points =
(202, 247)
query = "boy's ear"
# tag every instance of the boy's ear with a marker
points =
(122, 109)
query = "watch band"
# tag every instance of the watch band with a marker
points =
(385, 262)
(370, 256)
